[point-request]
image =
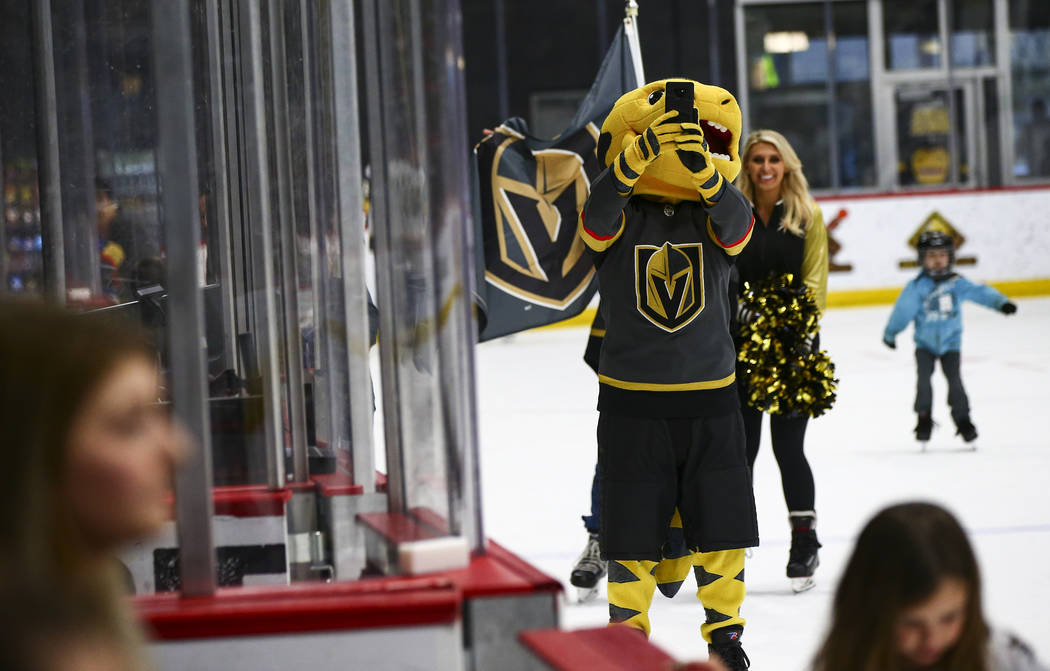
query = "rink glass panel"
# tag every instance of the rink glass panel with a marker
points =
(423, 258)
(809, 78)
(1030, 78)
(271, 242)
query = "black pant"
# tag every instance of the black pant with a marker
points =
(788, 434)
(957, 400)
(651, 466)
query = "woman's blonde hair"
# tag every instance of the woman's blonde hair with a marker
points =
(794, 190)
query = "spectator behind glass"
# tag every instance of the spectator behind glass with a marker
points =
(88, 457)
(910, 599)
(123, 244)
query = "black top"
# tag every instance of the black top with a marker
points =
(771, 251)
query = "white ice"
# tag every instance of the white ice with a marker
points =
(536, 404)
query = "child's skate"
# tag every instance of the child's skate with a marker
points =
(802, 559)
(590, 568)
(923, 429)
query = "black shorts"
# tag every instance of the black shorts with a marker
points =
(651, 466)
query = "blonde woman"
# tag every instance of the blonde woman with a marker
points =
(89, 457)
(788, 238)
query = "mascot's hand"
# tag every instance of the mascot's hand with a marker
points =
(643, 150)
(694, 154)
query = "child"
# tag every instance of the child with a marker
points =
(664, 221)
(910, 599)
(933, 300)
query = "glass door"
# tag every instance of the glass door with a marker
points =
(937, 143)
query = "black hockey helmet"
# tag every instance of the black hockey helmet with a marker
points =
(936, 240)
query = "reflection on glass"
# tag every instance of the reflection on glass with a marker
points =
(21, 253)
(912, 37)
(790, 78)
(789, 86)
(924, 129)
(973, 39)
(854, 124)
(1030, 75)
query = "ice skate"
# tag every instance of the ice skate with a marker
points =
(590, 568)
(965, 428)
(802, 558)
(923, 429)
(725, 644)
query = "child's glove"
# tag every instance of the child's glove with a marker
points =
(633, 160)
(695, 155)
(1008, 308)
(889, 342)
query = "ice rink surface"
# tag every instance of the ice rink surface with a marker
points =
(536, 406)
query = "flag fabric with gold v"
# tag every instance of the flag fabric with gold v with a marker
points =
(534, 269)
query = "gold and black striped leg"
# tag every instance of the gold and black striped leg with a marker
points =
(631, 585)
(673, 569)
(720, 588)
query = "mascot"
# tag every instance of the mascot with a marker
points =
(663, 221)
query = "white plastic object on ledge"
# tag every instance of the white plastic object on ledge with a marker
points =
(434, 554)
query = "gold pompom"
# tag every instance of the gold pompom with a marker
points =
(776, 359)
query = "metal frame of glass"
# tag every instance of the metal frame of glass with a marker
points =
(177, 173)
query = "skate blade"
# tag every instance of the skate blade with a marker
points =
(799, 585)
(586, 595)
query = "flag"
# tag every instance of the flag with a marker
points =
(533, 268)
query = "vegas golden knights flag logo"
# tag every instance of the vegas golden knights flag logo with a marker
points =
(535, 269)
(669, 283)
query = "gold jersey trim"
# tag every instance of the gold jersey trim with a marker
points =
(655, 386)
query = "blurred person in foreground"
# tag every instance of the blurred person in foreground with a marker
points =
(123, 244)
(910, 599)
(41, 629)
(88, 456)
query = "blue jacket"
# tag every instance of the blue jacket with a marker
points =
(936, 309)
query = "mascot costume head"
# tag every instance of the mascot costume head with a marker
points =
(667, 178)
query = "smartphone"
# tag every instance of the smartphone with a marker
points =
(678, 97)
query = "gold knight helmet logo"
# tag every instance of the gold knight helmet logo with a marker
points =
(541, 258)
(669, 283)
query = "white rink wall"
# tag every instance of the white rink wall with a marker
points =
(1007, 231)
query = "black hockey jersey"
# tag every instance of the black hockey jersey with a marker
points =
(664, 271)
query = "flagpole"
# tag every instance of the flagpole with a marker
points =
(630, 27)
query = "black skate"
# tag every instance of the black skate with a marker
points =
(590, 568)
(924, 428)
(965, 428)
(802, 558)
(725, 644)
